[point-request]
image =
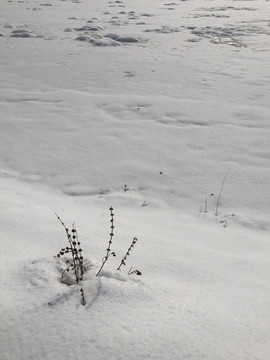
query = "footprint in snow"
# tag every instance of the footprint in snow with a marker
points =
(101, 42)
(22, 33)
(122, 39)
(89, 28)
(104, 42)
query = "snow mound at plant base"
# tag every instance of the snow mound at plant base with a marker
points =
(49, 320)
(123, 315)
(45, 287)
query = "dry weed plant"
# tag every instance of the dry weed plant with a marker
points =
(75, 263)
(123, 261)
(108, 250)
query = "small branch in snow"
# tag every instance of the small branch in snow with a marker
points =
(123, 261)
(220, 191)
(108, 250)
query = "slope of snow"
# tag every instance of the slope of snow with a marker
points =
(145, 107)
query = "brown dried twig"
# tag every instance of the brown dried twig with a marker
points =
(220, 191)
(82, 296)
(108, 250)
(137, 272)
(123, 261)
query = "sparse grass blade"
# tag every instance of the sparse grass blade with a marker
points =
(220, 191)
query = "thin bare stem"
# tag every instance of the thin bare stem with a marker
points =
(69, 238)
(205, 207)
(108, 250)
(78, 254)
(123, 261)
(220, 191)
(82, 296)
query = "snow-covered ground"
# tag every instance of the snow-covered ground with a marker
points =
(161, 110)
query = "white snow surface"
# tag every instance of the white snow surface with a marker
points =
(160, 110)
